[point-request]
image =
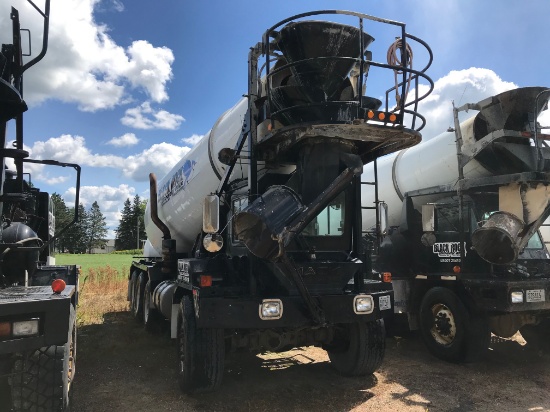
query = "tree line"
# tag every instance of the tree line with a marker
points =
(90, 231)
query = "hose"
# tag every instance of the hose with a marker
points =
(395, 60)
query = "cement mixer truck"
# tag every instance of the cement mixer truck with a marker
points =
(463, 212)
(37, 297)
(254, 238)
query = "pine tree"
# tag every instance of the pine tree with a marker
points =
(96, 228)
(63, 217)
(131, 222)
(75, 237)
(138, 210)
(123, 240)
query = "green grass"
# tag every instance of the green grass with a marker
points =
(120, 263)
(103, 284)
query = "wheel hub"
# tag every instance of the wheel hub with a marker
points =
(444, 327)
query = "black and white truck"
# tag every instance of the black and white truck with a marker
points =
(254, 237)
(464, 211)
(37, 298)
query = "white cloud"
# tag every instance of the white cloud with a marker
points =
(72, 149)
(118, 5)
(84, 65)
(128, 139)
(462, 86)
(53, 180)
(193, 140)
(159, 158)
(145, 117)
(109, 198)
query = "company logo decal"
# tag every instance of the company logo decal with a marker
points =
(177, 182)
(448, 251)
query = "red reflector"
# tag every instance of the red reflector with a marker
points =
(5, 329)
(58, 285)
(206, 280)
(386, 277)
(525, 134)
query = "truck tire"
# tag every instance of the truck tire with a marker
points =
(137, 302)
(537, 336)
(131, 285)
(359, 348)
(43, 379)
(201, 353)
(449, 330)
(151, 317)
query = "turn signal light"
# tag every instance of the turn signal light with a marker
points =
(206, 281)
(58, 286)
(386, 277)
(5, 329)
(383, 116)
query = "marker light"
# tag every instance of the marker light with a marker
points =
(393, 117)
(25, 328)
(370, 114)
(386, 277)
(213, 242)
(456, 269)
(516, 297)
(271, 309)
(5, 329)
(206, 281)
(58, 286)
(381, 116)
(363, 304)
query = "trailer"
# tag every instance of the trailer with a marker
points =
(254, 238)
(37, 297)
(462, 235)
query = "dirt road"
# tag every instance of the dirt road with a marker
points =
(121, 367)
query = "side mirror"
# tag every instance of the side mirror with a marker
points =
(383, 216)
(211, 214)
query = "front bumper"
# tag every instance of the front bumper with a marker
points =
(494, 295)
(242, 313)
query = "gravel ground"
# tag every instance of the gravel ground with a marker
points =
(121, 367)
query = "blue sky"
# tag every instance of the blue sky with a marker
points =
(128, 86)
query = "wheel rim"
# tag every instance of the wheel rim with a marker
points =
(444, 326)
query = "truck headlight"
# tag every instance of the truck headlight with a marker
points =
(363, 304)
(516, 297)
(213, 242)
(25, 328)
(271, 309)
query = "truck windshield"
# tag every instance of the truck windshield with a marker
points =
(330, 221)
(535, 242)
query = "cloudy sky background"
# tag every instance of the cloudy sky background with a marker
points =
(128, 86)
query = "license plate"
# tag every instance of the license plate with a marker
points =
(535, 295)
(384, 302)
